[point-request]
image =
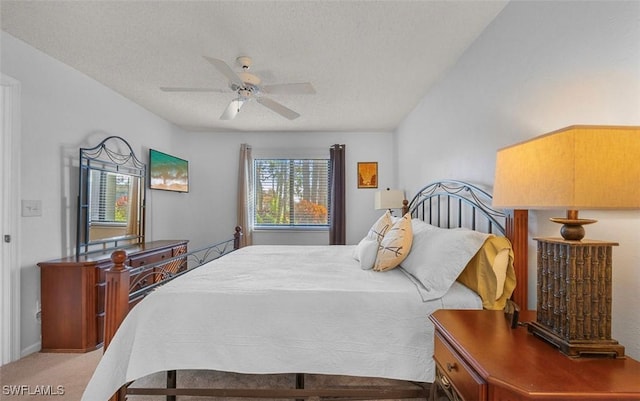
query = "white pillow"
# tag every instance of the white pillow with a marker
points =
(375, 234)
(366, 253)
(439, 255)
(395, 245)
(418, 225)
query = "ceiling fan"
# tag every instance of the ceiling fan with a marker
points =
(247, 87)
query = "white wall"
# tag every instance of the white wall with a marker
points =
(63, 110)
(213, 163)
(538, 67)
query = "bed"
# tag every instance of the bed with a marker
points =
(313, 310)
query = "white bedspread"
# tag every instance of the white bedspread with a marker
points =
(279, 309)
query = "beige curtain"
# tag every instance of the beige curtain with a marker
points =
(245, 194)
(132, 221)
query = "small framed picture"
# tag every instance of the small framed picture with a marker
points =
(367, 174)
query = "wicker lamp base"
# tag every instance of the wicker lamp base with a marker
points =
(576, 349)
(574, 297)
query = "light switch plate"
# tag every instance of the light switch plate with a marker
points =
(31, 208)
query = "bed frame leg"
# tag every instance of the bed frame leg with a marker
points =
(299, 383)
(172, 381)
(120, 395)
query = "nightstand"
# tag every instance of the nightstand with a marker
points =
(479, 358)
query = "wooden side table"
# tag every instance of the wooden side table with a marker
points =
(479, 357)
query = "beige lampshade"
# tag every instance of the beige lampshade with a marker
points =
(578, 167)
(389, 199)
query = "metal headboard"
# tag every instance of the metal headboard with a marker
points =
(451, 204)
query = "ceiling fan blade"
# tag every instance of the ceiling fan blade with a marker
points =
(304, 88)
(232, 109)
(278, 108)
(225, 70)
(179, 89)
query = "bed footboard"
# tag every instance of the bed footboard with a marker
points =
(119, 283)
(117, 295)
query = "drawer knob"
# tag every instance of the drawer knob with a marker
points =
(451, 367)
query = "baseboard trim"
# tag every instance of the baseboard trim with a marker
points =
(31, 349)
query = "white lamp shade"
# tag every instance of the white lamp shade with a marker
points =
(389, 199)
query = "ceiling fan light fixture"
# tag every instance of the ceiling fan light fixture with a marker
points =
(245, 93)
(232, 109)
(249, 78)
(244, 62)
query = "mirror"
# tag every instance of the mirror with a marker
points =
(110, 197)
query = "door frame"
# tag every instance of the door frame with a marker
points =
(10, 100)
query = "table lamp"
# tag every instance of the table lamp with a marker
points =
(388, 199)
(577, 167)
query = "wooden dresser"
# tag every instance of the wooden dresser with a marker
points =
(479, 357)
(72, 292)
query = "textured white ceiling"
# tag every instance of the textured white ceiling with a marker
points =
(370, 61)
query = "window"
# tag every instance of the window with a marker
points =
(112, 195)
(291, 193)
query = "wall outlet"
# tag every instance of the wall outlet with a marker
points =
(31, 208)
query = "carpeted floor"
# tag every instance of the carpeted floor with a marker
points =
(48, 376)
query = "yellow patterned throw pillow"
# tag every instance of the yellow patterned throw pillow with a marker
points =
(395, 245)
(380, 227)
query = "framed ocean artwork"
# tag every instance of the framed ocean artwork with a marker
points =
(168, 173)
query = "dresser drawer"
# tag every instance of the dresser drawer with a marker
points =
(177, 265)
(142, 279)
(467, 383)
(148, 258)
(179, 250)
